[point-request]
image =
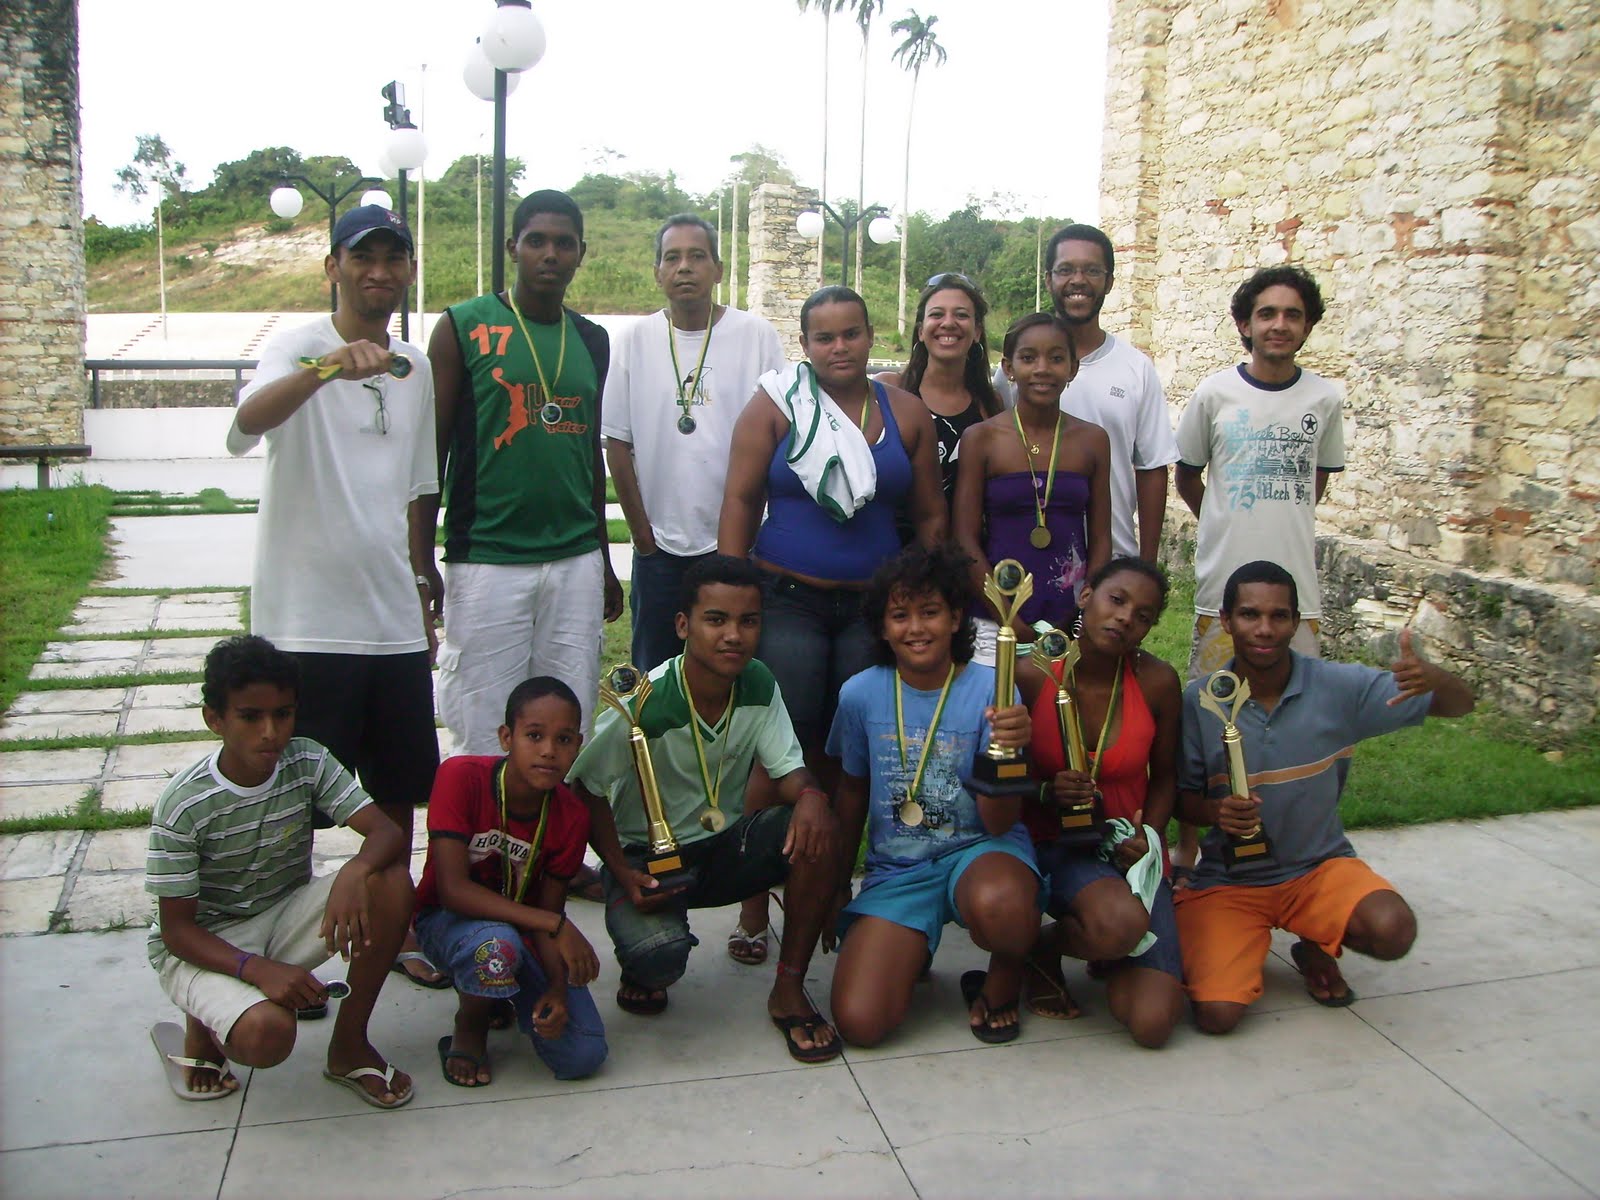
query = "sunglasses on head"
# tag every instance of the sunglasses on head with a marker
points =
(948, 277)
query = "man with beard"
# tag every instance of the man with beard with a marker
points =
(1116, 387)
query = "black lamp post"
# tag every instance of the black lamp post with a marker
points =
(286, 202)
(399, 117)
(814, 228)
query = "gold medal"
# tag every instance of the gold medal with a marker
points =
(713, 820)
(909, 813)
(1039, 537)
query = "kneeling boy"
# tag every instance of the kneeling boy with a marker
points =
(240, 918)
(505, 836)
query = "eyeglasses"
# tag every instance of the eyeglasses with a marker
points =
(380, 421)
(1068, 270)
(955, 277)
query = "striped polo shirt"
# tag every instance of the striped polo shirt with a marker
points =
(754, 727)
(240, 850)
(1298, 756)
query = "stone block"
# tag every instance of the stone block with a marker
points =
(58, 725)
(37, 855)
(70, 700)
(26, 904)
(117, 850)
(110, 901)
(51, 766)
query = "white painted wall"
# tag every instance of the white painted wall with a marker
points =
(158, 433)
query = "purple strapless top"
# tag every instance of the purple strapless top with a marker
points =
(1059, 569)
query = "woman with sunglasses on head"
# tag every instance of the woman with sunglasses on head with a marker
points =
(948, 369)
(830, 455)
(1129, 704)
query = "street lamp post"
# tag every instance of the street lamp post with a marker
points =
(287, 202)
(880, 229)
(405, 151)
(512, 42)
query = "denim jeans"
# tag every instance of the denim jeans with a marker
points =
(812, 640)
(654, 600)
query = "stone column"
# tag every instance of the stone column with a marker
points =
(783, 265)
(41, 225)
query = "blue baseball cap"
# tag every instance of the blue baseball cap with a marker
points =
(370, 218)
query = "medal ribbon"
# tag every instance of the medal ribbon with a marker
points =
(561, 355)
(684, 401)
(505, 838)
(1050, 477)
(1105, 726)
(933, 728)
(713, 790)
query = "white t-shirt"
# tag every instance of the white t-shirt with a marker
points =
(333, 566)
(1118, 389)
(681, 476)
(1262, 445)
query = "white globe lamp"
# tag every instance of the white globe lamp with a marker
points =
(478, 74)
(286, 202)
(406, 149)
(513, 40)
(377, 196)
(881, 230)
(809, 224)
(386, 167)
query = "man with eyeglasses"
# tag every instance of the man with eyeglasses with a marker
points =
(678, 381)
(1116, 387)
(347, 415)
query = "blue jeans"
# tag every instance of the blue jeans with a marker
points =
(489, 958)
(812, 640)
(654, 600)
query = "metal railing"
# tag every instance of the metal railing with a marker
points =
(176, 366)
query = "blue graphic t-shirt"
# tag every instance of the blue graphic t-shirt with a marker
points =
(863, 737)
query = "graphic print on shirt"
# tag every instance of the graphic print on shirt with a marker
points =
(1269, 463)
(695, 388)
(949, 812)
(526, 398)
(1066, 573)
(492, 843)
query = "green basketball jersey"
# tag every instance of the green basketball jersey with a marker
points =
(519, 482)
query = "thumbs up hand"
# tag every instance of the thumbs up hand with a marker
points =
(1412, 675)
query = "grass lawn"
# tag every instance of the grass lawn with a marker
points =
(52, 545)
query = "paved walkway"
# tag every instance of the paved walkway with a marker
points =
(1472, 1068)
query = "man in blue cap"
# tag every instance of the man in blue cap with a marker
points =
(347, 414)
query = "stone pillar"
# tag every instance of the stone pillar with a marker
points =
(783, 265)
(41, 225)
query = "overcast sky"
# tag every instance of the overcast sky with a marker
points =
(1017, 109)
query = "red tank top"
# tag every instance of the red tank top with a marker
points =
(1124, 779)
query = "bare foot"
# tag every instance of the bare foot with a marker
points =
(198, 1042)
(342, 1061)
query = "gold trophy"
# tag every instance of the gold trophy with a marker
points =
(624, 683)
(1081, 822)
(1222, 695)
(1001, 770)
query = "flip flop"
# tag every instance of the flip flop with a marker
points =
(168, 1039)
(446, 1054)
(1052, 993)
(995, 1035)
(353, 1082)
(651, 1006)
(433, 985)
(808, 1025)
(1342, 1001)
(748, 949)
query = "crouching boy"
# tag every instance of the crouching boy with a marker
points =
(240, 918)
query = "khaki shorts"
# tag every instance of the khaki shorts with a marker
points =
(1210, 648)
(290, 932)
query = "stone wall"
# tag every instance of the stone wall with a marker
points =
(783, 265)
(1437, 168)
(41, 225)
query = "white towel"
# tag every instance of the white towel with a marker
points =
(826, 449)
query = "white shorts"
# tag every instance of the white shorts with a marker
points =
(290, 932)
(506, 623)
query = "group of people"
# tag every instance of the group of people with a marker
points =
(811, 546)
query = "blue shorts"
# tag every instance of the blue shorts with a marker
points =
(1068, 872)
(490, 958)
(923, 897)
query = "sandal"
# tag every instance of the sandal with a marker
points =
(168, 1039)
(750, 949)
(808, 1025)
(653, 1004)
(446, 1054)
(972, 991)
(353, 1079)
(1301, 951)
(399, 968)
(1048, 996)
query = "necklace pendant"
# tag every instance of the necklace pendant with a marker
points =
(907, 811)
(1039, 538)
(713, 820)
(550, 414)
(686, 424)
(1033, 449)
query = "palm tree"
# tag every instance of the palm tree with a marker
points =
(864, 11)
(921, 45)
(827, 8)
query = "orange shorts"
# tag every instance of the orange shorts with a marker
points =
(1224, 932)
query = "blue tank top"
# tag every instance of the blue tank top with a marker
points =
(798, 535)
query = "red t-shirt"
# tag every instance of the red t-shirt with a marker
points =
(463, 806)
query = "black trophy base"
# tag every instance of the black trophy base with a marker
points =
(672, 880)
(1081, 829)
(1003, 776)
(1246, 852)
